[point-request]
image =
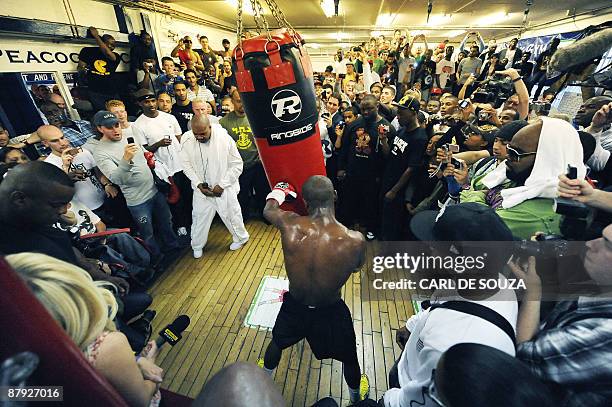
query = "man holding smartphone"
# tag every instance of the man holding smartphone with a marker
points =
(125, 166)
(91, 186)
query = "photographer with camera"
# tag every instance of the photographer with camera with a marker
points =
(147, 75)
(571, 347)
(504, 90)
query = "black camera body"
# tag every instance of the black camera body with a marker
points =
(495, 90)
(540, 108)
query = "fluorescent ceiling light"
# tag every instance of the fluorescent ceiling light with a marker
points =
(339, 36)
(313, 45)
(246, 6)
(328, 8)
(384, 19)
(494, 18)
(439, 19)
(454, 33)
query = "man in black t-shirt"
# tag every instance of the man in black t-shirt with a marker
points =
(360, 165)
(99, 65)
(405, 155)
(182, 109)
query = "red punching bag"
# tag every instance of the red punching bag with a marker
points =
(274, 78)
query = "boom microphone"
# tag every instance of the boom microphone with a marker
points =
(172, 333)
(585, 49)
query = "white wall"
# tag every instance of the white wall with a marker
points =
(26, 51)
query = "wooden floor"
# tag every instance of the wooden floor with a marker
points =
(216, 290)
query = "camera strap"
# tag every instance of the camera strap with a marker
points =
(480, 311)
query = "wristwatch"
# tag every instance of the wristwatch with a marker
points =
(517, 79)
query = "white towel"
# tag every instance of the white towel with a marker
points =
(559, 146)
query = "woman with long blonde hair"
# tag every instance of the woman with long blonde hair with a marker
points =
(85, 309)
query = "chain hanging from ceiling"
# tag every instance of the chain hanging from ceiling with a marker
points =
(261, 24)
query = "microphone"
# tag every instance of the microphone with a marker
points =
(585, 49)
(172, 333)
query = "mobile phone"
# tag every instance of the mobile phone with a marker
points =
(464, 103)
(456, 163)
(451, 148)
(572, 172)
(75, 151)
(130, 140)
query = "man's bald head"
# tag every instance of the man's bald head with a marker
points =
(318, 192)
(239, 385)
(528, 137)
(200, 126)
(585, 114)
(524, 142)
(53, 138)
(58, 100)
(46, 132)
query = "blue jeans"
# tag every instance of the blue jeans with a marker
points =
(156, 212)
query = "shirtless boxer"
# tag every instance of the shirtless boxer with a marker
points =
(320, 255)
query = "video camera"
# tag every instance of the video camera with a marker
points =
(495, 90)
(540, 108)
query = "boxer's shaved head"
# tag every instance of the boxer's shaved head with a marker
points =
(318, 192)
(239, 385)
(200, 126)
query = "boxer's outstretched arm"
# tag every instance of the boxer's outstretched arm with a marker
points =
(276, 216)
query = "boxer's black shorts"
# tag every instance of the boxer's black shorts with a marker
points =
(328, 330)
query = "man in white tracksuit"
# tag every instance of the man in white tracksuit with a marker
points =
(212, 162)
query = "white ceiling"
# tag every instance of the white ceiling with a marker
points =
(360, 19)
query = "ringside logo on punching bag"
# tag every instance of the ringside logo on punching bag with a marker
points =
(286, 105)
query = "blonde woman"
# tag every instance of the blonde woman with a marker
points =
(85, 309)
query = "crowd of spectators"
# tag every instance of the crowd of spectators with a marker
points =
(417, 140)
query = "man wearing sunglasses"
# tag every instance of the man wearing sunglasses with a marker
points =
(186, 54)
(522, 190)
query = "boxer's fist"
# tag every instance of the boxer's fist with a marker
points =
(282, 191)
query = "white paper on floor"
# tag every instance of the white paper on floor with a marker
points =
(267, 303)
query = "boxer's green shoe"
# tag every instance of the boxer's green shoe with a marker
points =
(364, 387)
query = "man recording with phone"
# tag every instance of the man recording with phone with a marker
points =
(124, 164)
(91, 186)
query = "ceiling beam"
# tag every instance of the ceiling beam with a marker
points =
(409, 27)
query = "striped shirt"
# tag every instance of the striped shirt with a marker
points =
(573, 349)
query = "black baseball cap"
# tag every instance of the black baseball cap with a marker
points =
(507, 131)
(487, 131)
(471, 221)
(408, 102)
(143, 94)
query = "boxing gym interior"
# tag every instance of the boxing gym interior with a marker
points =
(317, 203)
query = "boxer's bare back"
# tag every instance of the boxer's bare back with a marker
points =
(320, 254)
